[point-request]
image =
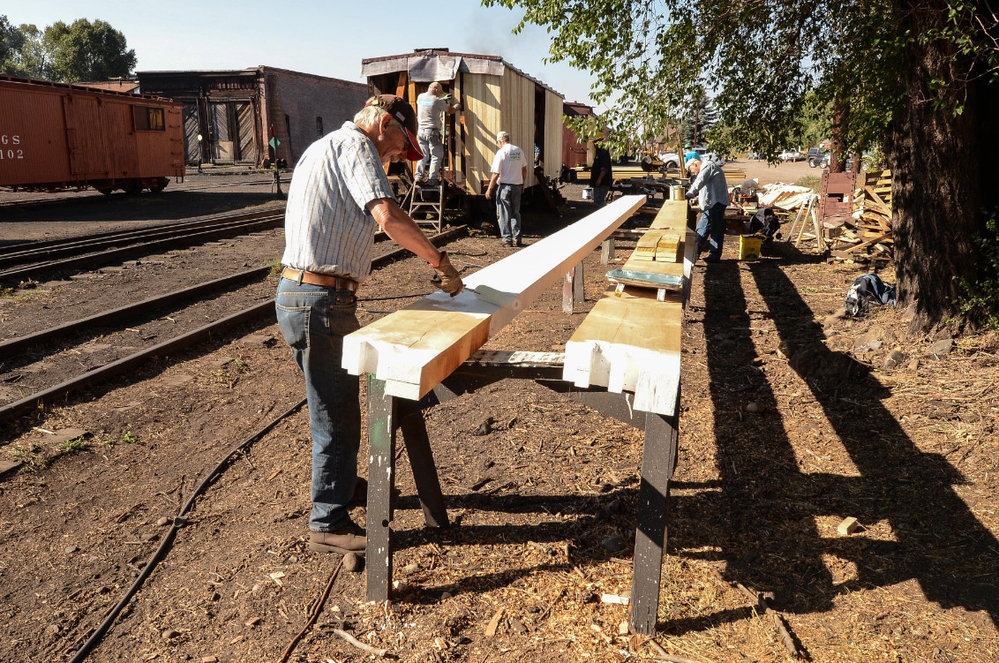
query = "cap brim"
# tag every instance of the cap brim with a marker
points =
(414, 153)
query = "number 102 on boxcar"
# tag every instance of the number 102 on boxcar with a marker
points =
(7, 151)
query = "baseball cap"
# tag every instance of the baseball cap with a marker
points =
(404, 113)
(687, 146)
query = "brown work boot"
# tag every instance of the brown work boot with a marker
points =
(347, 538)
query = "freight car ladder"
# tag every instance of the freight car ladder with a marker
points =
(428, 203)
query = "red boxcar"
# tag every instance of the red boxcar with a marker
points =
(60, 136)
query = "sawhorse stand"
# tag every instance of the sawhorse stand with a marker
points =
(388, 414)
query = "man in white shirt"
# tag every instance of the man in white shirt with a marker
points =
(510, 172)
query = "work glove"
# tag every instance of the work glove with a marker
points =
(450, 280)
(690, 195)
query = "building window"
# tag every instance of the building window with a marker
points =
(319, 126)
(148, 118)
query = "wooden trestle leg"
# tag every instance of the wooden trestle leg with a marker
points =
(386, 414)
(421, 459)
(658, 464)
(381, 481)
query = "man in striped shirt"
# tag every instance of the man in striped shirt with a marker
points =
(338, 197)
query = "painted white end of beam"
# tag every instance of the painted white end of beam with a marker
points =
(653, 376)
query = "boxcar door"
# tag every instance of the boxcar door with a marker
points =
(246, 123)
(88, 157)
(192, 129)
(222, 147)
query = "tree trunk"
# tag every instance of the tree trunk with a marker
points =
(941, 177)
(836, 160)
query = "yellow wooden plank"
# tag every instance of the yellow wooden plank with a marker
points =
(629, 344)
(673, 214)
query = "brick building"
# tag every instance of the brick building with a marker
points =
(237, 112)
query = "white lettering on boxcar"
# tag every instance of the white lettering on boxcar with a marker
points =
(7, 151)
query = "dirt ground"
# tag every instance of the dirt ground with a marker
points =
(793, 418)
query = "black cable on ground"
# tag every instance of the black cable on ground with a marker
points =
(167, 542)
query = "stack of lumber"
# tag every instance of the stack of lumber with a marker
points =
(661, 245)
(867, 234)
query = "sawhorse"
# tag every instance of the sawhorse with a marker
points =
(387, 414)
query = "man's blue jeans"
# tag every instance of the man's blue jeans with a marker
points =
(432, 147)
(313, 320)
(508, 211)
(711, 230)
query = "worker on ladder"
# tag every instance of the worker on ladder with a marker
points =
(430, 109)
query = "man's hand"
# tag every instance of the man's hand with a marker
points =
(690, 194)
(450, 280)
(489, 193)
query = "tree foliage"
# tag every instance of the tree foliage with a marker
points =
(919, 76)
(758, 60)
(85, 51)
(81, 51)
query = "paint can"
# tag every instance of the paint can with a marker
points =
(676, 192)
(587, 193)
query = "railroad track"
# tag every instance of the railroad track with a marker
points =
(126, 317)
(45, 200)
(44, 258)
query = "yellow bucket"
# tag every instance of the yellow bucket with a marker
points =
(749, 247)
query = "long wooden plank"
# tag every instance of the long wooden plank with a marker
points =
(672, 215)
(415, 348)
(629, 343)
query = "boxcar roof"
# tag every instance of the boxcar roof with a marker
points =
(436, 64)
(83, 87)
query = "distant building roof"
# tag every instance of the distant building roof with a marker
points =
(439, 64)
(116, 85)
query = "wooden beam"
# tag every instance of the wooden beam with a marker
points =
(415, 348)
(630, 343)
(672, 215)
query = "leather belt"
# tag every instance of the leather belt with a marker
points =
(326, 280)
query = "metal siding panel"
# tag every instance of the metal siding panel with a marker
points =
(192, 129)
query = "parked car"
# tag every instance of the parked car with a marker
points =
(670, 160)
(817, 158)
(790, 155)
(709, 156)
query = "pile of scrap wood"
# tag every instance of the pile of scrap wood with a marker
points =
(867, 234)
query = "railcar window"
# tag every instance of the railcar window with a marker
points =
(148, 119)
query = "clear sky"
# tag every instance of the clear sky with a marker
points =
(327, 38)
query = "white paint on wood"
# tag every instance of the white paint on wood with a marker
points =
(629, 343)
(415, 348)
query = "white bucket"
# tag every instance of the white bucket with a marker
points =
(587, 193)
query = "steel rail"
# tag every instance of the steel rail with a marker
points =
(19, 253)
(16, 409)
(18, 344)
(143, 248)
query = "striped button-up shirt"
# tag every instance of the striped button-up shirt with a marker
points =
(327, 226)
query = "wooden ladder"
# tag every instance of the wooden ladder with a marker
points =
(428, 201)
